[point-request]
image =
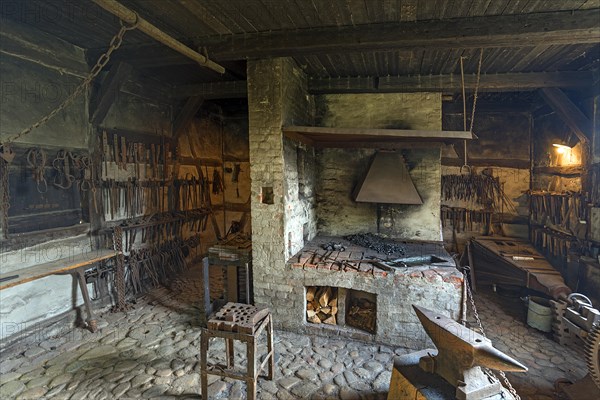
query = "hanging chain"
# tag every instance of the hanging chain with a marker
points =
(507, 383)
(120, 274)
(5, 201)
(114, 44)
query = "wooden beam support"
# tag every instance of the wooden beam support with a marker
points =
(398, 84)
(213, 90)
(133, 18)
(451, 83)
(488, 162)
(108, 91)
(148, 88)
(571, 171)
(569, 112)
(484, 106)
(185, 116)
(517, 30)
(32, 45)
(319, 136)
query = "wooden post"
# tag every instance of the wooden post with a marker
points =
(230, 353)
(232, 283)
(270, 351)
(203, 363)
(251, 379)
(205, 282)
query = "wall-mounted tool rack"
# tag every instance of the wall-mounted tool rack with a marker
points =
(149, 213)
(567, 212)
(559, 229)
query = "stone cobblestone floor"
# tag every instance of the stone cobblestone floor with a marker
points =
(152, 352)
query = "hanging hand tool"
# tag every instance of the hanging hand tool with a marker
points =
(36, 159)
(124, 153)
(105, 153)
(63, 178)
(116, 152)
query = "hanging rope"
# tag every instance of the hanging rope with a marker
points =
(466, 166)
(476, 89)
(464, 96)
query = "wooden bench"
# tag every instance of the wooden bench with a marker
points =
(74, 265)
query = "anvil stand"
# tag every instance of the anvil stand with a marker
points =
(410, 381)
(453, 372)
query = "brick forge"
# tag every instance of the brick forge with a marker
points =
(286, 180)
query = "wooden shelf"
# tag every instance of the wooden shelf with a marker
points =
(571, 171)
(64, 265)
(345, 137)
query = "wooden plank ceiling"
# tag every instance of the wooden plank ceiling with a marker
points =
(232, 24)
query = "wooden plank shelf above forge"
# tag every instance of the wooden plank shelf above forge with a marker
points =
(370, 137)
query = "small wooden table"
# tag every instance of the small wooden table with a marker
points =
(244, 322)
(232, 253)
(74, 265)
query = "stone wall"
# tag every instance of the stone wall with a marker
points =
(341, 169)
(300, 176)
(282, 174)
(266, 80)
(299, 162)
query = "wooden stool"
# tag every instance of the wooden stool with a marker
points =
(244, 322)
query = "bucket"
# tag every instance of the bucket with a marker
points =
(539, 314)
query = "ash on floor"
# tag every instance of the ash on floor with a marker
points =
(152, 351)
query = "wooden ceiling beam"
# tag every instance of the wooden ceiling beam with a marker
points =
(185, 116)
(213, 90)
(134, 19)
(147, 88)
(398, 84)
(27, 43)
(519, 30)
(569, 113)
(451, 83)
(108, 91)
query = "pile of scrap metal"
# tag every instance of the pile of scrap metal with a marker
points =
(457, 369)
(577, 323)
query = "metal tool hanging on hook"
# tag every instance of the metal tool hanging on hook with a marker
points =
(36, 159)
(62, 164)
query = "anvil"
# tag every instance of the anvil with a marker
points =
(461, 354)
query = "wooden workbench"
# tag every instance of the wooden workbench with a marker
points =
(504, 260)
(74, 265)
(56, 267)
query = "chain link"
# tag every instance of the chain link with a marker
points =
(505, 380)
(115, 43)
(120, 274)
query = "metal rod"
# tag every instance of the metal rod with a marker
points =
(131, 17)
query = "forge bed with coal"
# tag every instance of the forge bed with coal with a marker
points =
(363, 286)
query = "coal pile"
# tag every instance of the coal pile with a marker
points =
(377, 243)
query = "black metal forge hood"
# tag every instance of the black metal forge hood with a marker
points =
(387, 181)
